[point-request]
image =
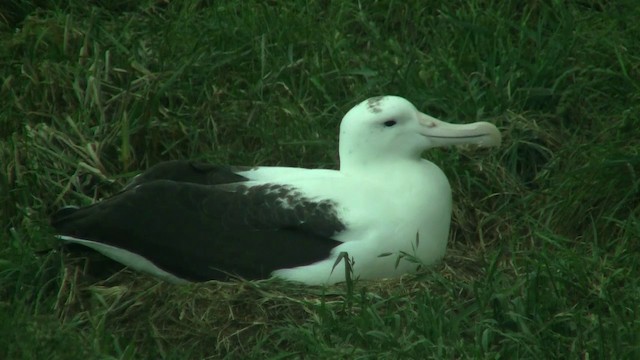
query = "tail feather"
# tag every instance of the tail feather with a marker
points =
(62, 214)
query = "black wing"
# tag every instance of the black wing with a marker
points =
(202, 232)
(190, 172)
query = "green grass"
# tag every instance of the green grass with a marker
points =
(544, 257)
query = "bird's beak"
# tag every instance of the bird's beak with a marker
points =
(443, 134)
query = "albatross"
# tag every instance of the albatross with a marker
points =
(386, 210)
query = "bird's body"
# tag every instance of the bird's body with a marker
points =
(384, 208)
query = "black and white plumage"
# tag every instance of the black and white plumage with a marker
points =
(187, 221)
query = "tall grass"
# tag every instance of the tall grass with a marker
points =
(543, 259)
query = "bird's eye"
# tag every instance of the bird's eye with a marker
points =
(390, 123)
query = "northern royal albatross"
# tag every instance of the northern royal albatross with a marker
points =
(185, 221)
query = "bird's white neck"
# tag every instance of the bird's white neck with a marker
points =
(391, 170)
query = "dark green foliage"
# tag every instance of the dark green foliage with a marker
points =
(543, 259)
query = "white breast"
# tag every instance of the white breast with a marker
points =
(383, 217)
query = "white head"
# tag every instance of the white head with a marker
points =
(391, 128)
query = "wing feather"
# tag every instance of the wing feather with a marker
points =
(203, 232)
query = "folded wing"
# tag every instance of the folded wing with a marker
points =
(200, 222)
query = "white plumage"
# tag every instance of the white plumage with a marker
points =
(384, 201)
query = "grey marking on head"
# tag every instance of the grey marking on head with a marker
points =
(373, 104)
